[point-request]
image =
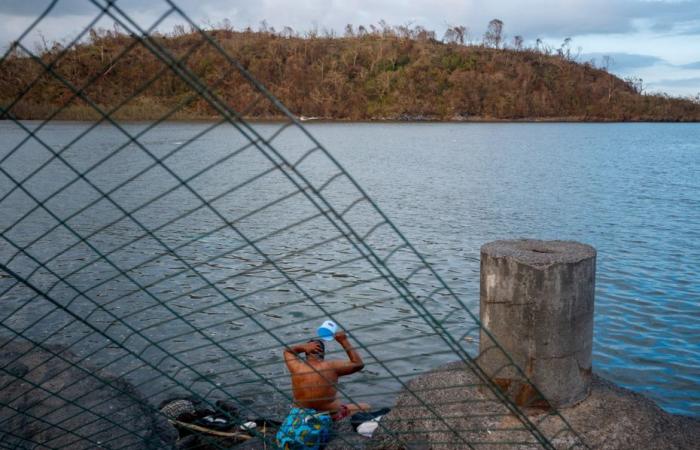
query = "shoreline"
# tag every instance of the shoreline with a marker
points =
(416, 120)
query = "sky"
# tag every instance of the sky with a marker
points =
(655, 40)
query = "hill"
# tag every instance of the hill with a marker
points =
(391, 73)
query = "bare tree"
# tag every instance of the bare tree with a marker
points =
(636, 84)
(404, 31)
(43, 47)
(607, 62)
(14, 50)
(455, 34)
(313, 32)
(449, 36)
(387, 30)
(421, 34)
(205, 24)
(494, 34)
(518, 42)
(349, 32)
(565, 50)
(287, 32)
(460, 32)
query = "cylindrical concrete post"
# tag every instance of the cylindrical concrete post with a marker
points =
(537, 302)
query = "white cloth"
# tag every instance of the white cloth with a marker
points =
(366, 429)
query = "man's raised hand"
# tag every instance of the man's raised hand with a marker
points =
(341, 336)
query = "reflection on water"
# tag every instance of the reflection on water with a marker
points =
(631, 190)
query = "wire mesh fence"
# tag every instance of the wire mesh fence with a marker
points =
(146, 261)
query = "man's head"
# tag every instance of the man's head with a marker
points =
(319, 351)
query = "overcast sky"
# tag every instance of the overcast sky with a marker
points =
(657, 40)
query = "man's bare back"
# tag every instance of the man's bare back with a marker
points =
(314, 380)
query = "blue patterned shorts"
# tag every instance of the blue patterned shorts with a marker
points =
(304, 429)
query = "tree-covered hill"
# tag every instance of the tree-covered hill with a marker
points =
(385, 73)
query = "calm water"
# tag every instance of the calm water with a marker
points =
(630, 190)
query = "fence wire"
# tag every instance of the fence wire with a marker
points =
(142, 262)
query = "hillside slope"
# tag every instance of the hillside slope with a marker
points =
(368, 77)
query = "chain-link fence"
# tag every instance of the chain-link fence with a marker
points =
(146, 261)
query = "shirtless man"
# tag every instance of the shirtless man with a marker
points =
(313, 386)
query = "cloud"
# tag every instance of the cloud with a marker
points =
(695, 65)
(683, 82)
(679, 86)
(623, 61)
(31, 8)
(535, 18)
(669, 78)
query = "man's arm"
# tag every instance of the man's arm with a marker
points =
(290, 354)
(347, 367)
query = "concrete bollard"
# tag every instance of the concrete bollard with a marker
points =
(537, 302)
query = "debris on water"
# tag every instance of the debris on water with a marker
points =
(177, 305)
(377, 289)
(340, 275)
(274, 316)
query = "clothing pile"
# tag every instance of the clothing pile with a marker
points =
(306, 428)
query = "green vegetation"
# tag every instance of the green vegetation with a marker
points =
(381, 73)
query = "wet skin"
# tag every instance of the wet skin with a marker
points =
(314, 379)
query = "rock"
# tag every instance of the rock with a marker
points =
(228, 407)
(188, 443)
(253, 444)
(345, 437)
(611, 418)
(50, 402)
